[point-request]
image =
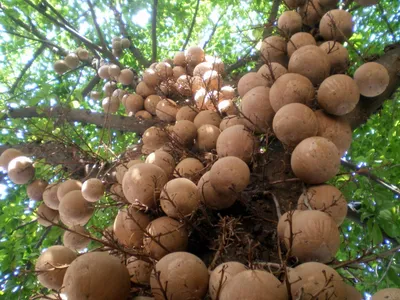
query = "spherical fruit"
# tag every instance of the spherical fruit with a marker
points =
(387, 294)
(236, 141)
(166, 110)
(229, 175)
(311, 62)
(154, 138)
(194, 55)
(93, 189)
(186, 113)
(95, 95)
(352, 293)
(52, 265)
(254, 285)
(21, 170)
(162, 159)
(83, 54)
(114, 71)
(299, 40)
(336, 24)
(7, 156)
(326, 198)
(46, 215)
(230, 121)
(212, 80)
(74, 239)
(315, 160)
(165, 235)
(290, 22)
(291, 88)
(189, 168)
(284, 221)
(74, 209)
(178, 71)
(338, 56)
(256, 107)
(109, 88)
(221, 275)
(60, 66)
(271, 72)
(335, 129)
(210, 197)
(72, 60)
(126, 77)
(139, 270)
(315, 236)
(311, 12)
(129, 227)
(228, 92)
(314, 280)
(250, 81)
(293, 123)
(133, 102)
(125, 43)
(50, 196)
(207, 117)
(294, 3)
(143, 183)
(372, 79)
(103, 72)
(36, 189)
(110, 105)
(144, 90)
(202, 68)
(185, 132)
(164, 70)
(143, 115)
(181, 275)
(68, 186)
(338, 94)
(96, 275)
(207, 136)
(227, 107)
(273, 49)
(180, 59)
(151, 78)
(150, 104)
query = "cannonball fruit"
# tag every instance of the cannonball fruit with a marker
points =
(221, 275)
(336, 24)
(74, 209)
(7, 156)
(21, 170)
(36, 189)
(387, 294)
(75, 239)
(372, 79)
(93, 189)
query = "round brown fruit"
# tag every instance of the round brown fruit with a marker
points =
(110, 105)
(210, 197)
(125, 43)
(254, 285)
(166, 110)
(142, 184)
(186, 113)
(95, 95)
(326, 198)
(202, 68)
(109, 88)
(311, 62)
(162, 159)
(123, 167)
(150, 104)
(194, 55)
(21, 170)
(189, 168)
(337, 25)
(7, 156)
(293, 123)
(290, 22)
(126, 77)
(178, 71)
(315, 160)
(228, 92)
(144, 90)
(74, 239)
(103, 72)
(338, 56)
(114, 71)
(50, 196)
(273, 49)
(164, 70)
(221, 275)
(46, 215)
(207, 136)
(352, 293)
(291, 88)
(68, 186)
(328, 4)
(83, 54)
(229, 175)
(179, 198)
(165, 235)
(236, 141)
(335, 129)
(49, 275)
(250, 81)
(143, 115)
(60, 66)
(180, 59)
(311, 12)
(313, 278)
(256, 107)
(139, 270)
(294, 3)
(284, 221)
(207, 117)
(129, 226)
(387, 294)
(74, 209)
(134, 103)
(315, 236)
(185, 275)
(36, 189)
(151, 78)
(271, 72)
(93, 189)
(212, 80)
(372, 79)
(88, 277)
(230, 121)
(185, 132)
(72, 60)
(338, 94)
(299, 40)
(153, 138)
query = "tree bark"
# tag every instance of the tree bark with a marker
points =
(114, 122)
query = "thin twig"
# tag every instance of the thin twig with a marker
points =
(191, 26)
(154, 31)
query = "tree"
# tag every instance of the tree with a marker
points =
(51, 118)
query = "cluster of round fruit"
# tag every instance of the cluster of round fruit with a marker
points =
(118, 45)
(71, 61)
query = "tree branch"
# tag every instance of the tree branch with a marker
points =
(96, 25)
(122, 28)
(364, 171)
(154, 32)
(272, 18)
(38, 52)
(212, 32)
(57, 14)
(191, 26)
(89, 87)
(114, 122)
